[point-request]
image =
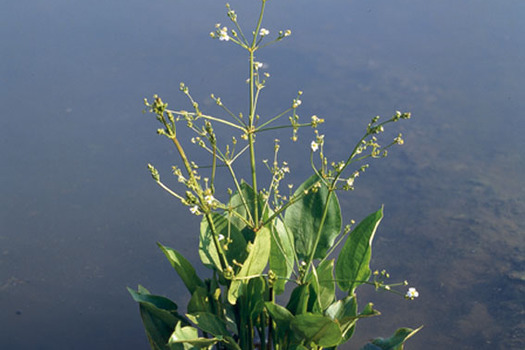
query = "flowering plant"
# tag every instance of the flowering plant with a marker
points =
(258, 242)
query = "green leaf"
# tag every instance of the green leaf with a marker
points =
(183, 268)
(281, 315)
(369, 311)
(187, 338)
(396, 341)
(282, 319)
(322, 280)
(244, 204)
(352, 268)
(200, 301)
(236, 249)
(304, 219)
(298, 302)
(344, 311)
(159, 315)
(298, 347)
(144, 296)
(318, 329)
(256, 290)
(209, 323)
(254, 265)
(281, 255)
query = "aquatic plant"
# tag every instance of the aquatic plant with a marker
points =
(260, 243)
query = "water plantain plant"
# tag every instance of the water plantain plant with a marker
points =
(274, 281)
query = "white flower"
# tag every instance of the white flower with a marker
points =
(264, 32)
(209, 199)
(223, 34)
(195, 210)
(412, 293)
(350, 181)
(258, 65)
(315, 146)
(221, 237)
(296, 103)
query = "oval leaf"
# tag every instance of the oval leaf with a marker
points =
(353, 264)
(183, 267)
(281, 255)
(318, 329)
(254, 264)
(223, 227)
(322, 279)
(304, 219)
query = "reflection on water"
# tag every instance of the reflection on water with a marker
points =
(81, 216)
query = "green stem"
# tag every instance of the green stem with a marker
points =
(259, 21)
(198, 190)
(222, 256)
(167, 189)
(209, 117)
(274, 119)
(259, 129)
(251, 138)
(253, 106)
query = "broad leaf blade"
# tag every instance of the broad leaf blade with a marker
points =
(322, 279)
(353, 265)
(209, 323)
(243, 203)
(254, 264)
(344, 311)
(188, 338)
(200, 301)
(281, 255)
(183, 267)
(282, 318)
(318, 329)
(298, 302)
(230, 234)
(159, 316)
(304, 219)
(396, 341)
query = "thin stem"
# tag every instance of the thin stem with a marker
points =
(274, 118)
(227, 110)
(259, 129)
(251, 138)
(251, 125)
(215, 236)
(239, 191)
(259, 22)
(219, 120)
(213, 167)
(167, 189)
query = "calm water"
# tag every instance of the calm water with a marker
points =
(80, 214)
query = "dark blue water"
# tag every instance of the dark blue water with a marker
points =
(80, 214)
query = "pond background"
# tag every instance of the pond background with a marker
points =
(81, 215)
